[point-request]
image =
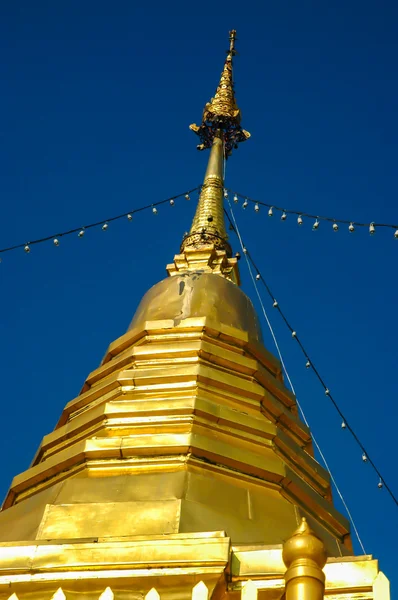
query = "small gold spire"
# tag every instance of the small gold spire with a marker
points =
(305, 556)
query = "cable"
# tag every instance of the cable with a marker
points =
(345, 423)
(104, 223)
(351, 224)
(309, 363)
(236, 229)
(330, 473)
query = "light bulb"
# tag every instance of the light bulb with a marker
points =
(236, 199)
(130, 217)
(258, 276)
(396, 234)
(105, 226)
(256, 207)
(307, 364)
(343, 425)
(315, 225)
(187, 197)
(275, 304)
(351, 227)
(270, 212)
(225, 194)
(27, 249)
(155, 210)
(327, 393)
(245, 204)
(172, 202)
(335, 227)
(372, 228)
(56, 242)
(284, 216)
(300, 220)
(380, 484)
(81, 233)
(364, 457)
(294, 334)
(244, 250)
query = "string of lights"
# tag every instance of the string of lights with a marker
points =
(284, 367)
(236, 196)
(104, 224)
(309, 364)
(301, 215)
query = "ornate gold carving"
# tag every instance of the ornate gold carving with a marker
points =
(208, 226)
(222, 111)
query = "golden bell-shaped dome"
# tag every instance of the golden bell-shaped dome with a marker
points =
(199, 294)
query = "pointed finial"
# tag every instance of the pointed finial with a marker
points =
(107, 594)
(153, 594)
(232, 38)
(249, 591)
(304, 544)
(200, 591)
(59, 595)
(220, 130)
(222, 113)
(304, 555)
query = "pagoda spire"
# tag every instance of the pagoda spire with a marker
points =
(219, 130)
(182, 466)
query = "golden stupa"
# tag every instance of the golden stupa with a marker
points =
(182, 470)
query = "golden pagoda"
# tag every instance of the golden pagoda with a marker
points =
(182, 470)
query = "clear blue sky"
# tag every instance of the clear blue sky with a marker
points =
(95, 106)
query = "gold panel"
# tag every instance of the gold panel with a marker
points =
(111, 518)
(254, 513)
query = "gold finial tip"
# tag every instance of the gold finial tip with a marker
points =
(232, 39)
(222, 112)
(304, 544)
(303, 527)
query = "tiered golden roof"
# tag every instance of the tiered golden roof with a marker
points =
(182, 467)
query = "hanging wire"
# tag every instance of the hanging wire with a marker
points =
(104, 223)
(249, 266)
(310, 363)
(327, 391)
(300, 213)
